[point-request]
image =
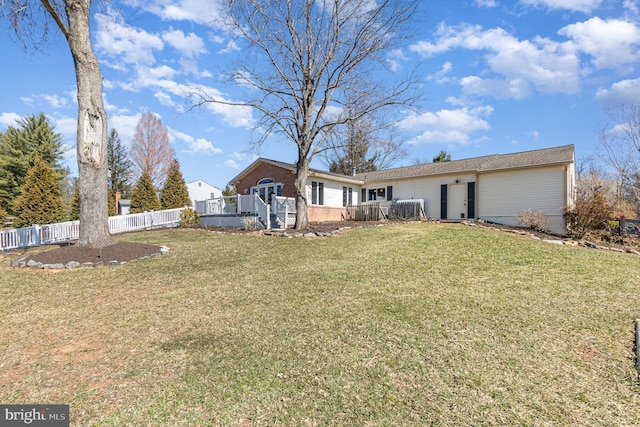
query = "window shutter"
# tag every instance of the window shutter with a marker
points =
(389, 192)
(471, 200)
(363, 194)
(443, 201)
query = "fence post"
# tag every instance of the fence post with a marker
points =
(36, 232)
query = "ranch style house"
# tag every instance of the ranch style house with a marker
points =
(496, 188)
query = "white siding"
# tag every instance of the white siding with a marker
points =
(332, 193)
(427, 188)
(504, 196)
(200, 190)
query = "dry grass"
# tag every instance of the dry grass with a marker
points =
(402, 325)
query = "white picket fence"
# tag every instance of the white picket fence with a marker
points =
(49, 234)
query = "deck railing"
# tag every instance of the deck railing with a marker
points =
(36, 235)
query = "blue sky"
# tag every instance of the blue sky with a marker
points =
(498, 77)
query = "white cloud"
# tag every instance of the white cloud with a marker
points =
(519, 66)
(207, 13)
(441, 76)
(625, 91)
(447, 126)
(585, 6)
(67, 126)
(9, 119)
(125, 125)
(53, 101)
(232, 164)
(123, 43)
(231, 46)
(486, 3)
(188, 45)
(196, 145)
(613, 43)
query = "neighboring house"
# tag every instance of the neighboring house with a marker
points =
(199, 191)
(496, 188)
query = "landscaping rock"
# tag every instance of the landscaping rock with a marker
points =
(53, 266)
(73, 264)
(19, 262)
(555, 242)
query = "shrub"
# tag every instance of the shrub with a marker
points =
(534, 220)
(143, 196)
(175, 193)
(40, 199)
(590, 213)
(188, 217)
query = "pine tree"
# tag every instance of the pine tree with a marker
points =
(120, 167)
(175, 193)
(74, 209)
(111, 204)
(228, 191)
(40, 200)
(20, 147)
(3, 217)
(143, 195)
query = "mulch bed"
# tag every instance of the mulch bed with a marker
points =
(120, 252)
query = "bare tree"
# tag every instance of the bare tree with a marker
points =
(306, 59)
(150, 150)
(620, 148)
(30, 18)
(363, 145)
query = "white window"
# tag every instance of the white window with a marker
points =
(347, 196)
(317, 193)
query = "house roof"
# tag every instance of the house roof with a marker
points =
(292, 167)
(201, 182)
(496, 162)
(526, 159)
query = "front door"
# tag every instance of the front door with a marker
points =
(457, 205)
(267, 191)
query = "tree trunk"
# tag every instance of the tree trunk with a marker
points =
(92, 130)
(302, 173)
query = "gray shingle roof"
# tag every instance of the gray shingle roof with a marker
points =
(542, 157)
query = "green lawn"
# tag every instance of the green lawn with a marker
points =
(417, 324)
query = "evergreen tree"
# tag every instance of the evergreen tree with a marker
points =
(111, 204)
(442, 156)
(143, 195)
(175, 193)
(74, 209)
(228, 191)
(120, 167)
(20, 147)
(40, 200)
(3, 217)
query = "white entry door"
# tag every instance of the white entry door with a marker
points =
(457, 203)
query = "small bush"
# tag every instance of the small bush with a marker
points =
(188, 217)
(588, 214)
(534, 220)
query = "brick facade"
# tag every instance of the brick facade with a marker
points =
(267, 170)
(317, 213)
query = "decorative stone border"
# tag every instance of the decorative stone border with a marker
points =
(21, 262)
(566, 242)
